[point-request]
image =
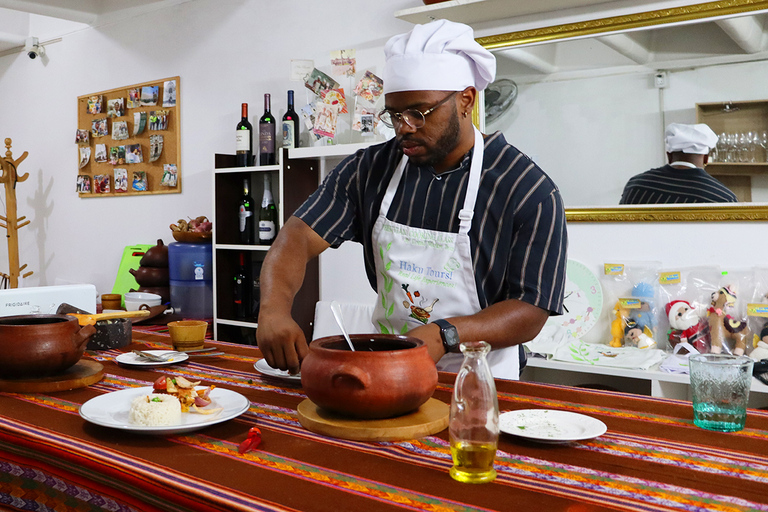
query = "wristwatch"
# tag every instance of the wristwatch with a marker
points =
(449, 334)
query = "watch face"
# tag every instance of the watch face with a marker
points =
(583, 301)
(451, 336)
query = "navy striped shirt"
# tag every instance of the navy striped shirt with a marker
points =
(518, 236)
(668, 185)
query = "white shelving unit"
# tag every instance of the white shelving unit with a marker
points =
(477, 11)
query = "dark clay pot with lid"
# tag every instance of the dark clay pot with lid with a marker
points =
(156, 256)
(386, 376)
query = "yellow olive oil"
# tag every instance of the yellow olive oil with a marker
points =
(473, 462)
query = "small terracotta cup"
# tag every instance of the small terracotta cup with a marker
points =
(188, 334)
(111, 301)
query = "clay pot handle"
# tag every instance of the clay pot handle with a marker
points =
(348, 376)
(81, 337)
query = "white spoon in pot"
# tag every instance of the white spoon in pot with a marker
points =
(336, 310)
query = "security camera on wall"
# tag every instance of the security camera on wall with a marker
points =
(33, 48)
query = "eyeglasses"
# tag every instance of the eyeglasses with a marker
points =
(412, 117)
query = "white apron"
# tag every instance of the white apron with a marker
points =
(425, 275)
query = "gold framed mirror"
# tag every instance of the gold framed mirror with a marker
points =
(606, 28)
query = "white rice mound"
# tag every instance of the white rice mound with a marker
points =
(155, 410)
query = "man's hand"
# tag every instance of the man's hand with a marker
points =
(281, 341)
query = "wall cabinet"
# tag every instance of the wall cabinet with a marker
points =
(741, 155)
(292, 181)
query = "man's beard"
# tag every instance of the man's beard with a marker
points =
(444, 145)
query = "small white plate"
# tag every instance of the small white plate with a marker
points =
(111, 410)
(550, 426)
(262, 367)
(132, 359)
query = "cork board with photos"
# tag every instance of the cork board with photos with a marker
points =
(128, 140)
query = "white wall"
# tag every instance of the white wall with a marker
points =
(227, 53)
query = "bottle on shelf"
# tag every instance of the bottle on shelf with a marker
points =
(267, 215)
(267, 154)
(244, 140)
(242, 294)
(246, 215)
(290, 125)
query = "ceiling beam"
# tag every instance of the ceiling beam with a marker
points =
(529, 59)
(627, 47)
(82, 11)
(746, 31)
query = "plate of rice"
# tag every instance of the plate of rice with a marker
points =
(143, 411)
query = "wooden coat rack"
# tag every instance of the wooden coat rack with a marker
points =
(9, 177)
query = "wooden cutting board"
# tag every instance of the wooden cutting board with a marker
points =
(430, 418)
(84, 373)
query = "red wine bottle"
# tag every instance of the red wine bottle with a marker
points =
(245, 215)
(242, 294)
(267, 155)
(244, 140)
(290, 125)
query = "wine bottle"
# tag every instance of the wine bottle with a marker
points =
(244, 140)
(267, 155)
(290, 125)
(242, 291)
(246, 215)
(267, 215)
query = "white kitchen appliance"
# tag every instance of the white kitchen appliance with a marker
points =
(47, 299)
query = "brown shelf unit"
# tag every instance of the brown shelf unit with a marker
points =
(736, 117)
(292, 182)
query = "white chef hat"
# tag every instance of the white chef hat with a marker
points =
(696, 139)
(439, 56)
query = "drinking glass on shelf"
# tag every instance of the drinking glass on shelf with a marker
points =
(733, 148)
(764, 145)
(721, 148)
(743, 148)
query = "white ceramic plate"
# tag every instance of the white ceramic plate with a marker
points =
(262, 367)
(550, 426)
(132, 359)
(111, 410)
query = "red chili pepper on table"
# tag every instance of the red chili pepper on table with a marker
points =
(251, 442)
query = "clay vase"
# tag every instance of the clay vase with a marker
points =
(34, 346)
(151, 276)
(156, 256)
(386, 375)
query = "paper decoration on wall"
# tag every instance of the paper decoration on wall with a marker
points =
(335, 97)
(81, 137)
(318, 81)
(169, 175)
(116, 107)
(134, 98)
(169, 93)
(99, 127)
(139, 122)
(101, 184)
(133, 154)
(155, 147)
(149, 94)
(101, 153)
(370, 87)
(84, 184)
(117, 155)
(94, 105)
(139, 181)
(300, 69)
(158, 120)
(325, 120)
(343, 62)
(121, 180)
(364, 120)
(120, 130)
(85, 156)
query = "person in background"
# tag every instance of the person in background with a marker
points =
(464, 236)
(683, 179)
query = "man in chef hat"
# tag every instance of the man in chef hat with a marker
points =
(463, 235)
(684, 179)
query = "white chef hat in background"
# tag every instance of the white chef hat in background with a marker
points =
(695, 139)
(438, 56)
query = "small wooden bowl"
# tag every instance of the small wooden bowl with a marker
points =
(193, 237)
(188, 334)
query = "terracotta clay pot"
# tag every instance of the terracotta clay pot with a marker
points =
(156, 256)
(151, 276)
(40, 345)
(386, 375)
